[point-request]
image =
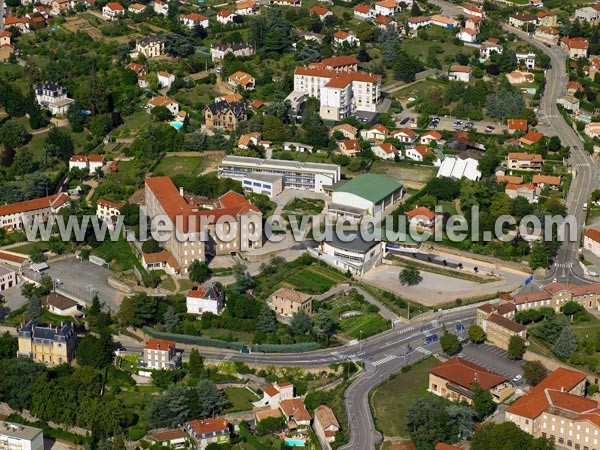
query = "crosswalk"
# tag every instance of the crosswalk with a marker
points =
(381, 361)
(564, 265)
(423, 350)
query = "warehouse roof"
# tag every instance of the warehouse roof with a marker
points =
(371, 186)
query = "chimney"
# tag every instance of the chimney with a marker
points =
(180, 189)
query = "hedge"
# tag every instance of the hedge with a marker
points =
(208, 342)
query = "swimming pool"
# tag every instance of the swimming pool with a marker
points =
(295, 442)
(177, 125)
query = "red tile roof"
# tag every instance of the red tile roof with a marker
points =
(592, 234)
(422, 211)
(159, 344)
(576, 42)
(110, 204)
(318, 10)
(32, 205)
(505, 322)
(339, 61)
(363, 9)
(295, 409)
(517, 124)
(433, 135)
(465, 374)
(546, 179)
(512, 179)
(115, 6)
(12, 258)
(208, 426)
(444, 446)
(459, 68)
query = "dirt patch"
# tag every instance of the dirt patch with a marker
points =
(414, 177)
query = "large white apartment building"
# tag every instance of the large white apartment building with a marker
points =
(341, 92)
(296, 175)
(14, 436)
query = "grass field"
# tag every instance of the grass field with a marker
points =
(30, 247)
(315, 279)
(391, 401)
(175, 165)
(118, 253)
(409, 175)
(241, 399)
(370, 324)
(310, 206)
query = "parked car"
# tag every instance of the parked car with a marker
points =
(406, 119)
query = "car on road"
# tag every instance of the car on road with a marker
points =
(431, 339)
(459, 328)
(406, 119)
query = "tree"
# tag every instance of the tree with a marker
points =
(13, 135)
(450, 344)
(534, 372)
(34, 308)
(463, 418)
(483, 402)
(507, 435)
(566, 344)
(266, 321)
(95, 351)
(198, 271)
(195, 364)
(100, 125)
(410, 276)
(476, 334)
(415, 10)
(96, 307)
(170, 318)
(301, 323)
(59, 144)
(516, 347)
(8, 346)
(428, 422)
(243, 280)
(17, 376)
(269, 425)
(161, 113)
(150, 246)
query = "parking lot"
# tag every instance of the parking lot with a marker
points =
(492, 358)
(406, 118)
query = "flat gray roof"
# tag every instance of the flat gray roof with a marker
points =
(17, 430)
(277, 163)
(5, 270)
(355, 243)
(267, 177)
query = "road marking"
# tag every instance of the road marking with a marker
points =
(424, 351)
(384, 360)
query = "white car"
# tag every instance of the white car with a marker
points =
(517, 378)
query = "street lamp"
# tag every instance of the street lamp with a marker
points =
(360, 341)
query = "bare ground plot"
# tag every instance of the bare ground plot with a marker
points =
(410, 176)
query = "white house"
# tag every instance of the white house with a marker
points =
(321, 12)
(53, 97)
(224, 16)
(592, 129)
(200, 300)
(384, 151)
(246, 8)
(363, 12)
(89, 162)
(414, 23)
(375, 133)
(460, 73)
(194, 20)
(468, 35)
(528, 59)
(14, 215)
(587, 14)
(422, 217)
(161, 7)
(136, 8)
(591, 241)
(274, 394)
(386, 8)
(472, 10)
(160, 354)
(430, 136)
(405, 135)
(165, 79)
(417, 152)
(112, 11)
(167, 102)
(488, 47)
(108, 211)
(343, 37)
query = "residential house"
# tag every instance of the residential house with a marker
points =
(592, 129)
(414, 23)
(113, 11)
(161, 7)
(576, 46)
(444, 21)
(287, 302)
(517, 77)
(108, 212)
(468, 35)
(526, 59)
(239, 50)
(573, 87)
(60, 305)
(430, 136)
(384, 22)
(492, 45)
(376, 133)
(208, 431)
(418, 152)
(321, 12)
(14, 216)
(160, 354)
(527, 191)
(224, 16)
(524, 161)
(513, 179)
(547, 19)
(346, 129)
(473, 10)
(325, 425)
(20, 23)
(349, 147)
(150, 46)
(224, 115)
(591, 241)
(167, 102)
(91, 163)
(384, 150)
(364, 12)
(460, 73)
(274, 394)
(170, 438)
(246, 7)
(194, 20)
(292, 3)
(252, 140)
(555, 295)
(422, 217)
(531, 138)
(457, 378)
(165, 79)
(8, 278)
(516, 125)
(404, 135)
(386, 8)
(473, 22)
(211, 299)
(341, 38)
(162, 260)
(542, 181)
(522, 20)
(547, 34)
(53, 97)
(58, 7)
(47, 345)
(136, 8)
(140, 71)
(587, 14)
(242, 80)
(295, 413)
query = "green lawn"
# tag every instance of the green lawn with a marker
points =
(310, 206)
(241, 399)
(175, 165)
(391, 401)
(315, 279)
(370, 324)
(119, 254)
(30, 247)
(419, 89)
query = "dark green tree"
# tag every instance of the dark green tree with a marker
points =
(410, 276)
(450, 344)
(198, 271)
(266, 320)
(170, 318)
(534, 372)
(301, 323)
(566, 344)
(483, 402)
(516, 347)
(195, 364)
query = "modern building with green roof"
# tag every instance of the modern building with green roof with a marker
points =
(368, 194)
